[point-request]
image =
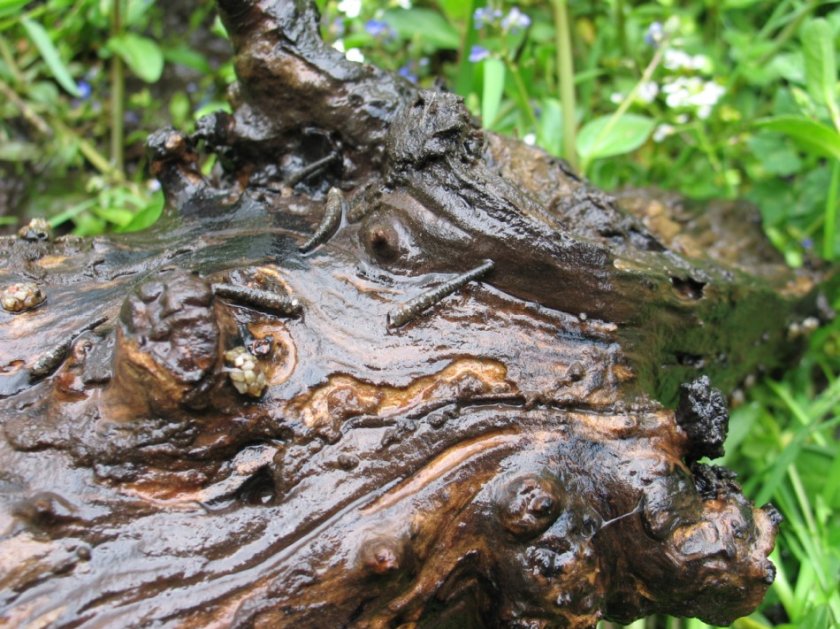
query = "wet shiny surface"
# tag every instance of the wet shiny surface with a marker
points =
(505, 456)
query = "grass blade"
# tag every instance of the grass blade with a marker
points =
(49, 54)
(815, 137)
(820, 63)
(492, 90)
(831, 203)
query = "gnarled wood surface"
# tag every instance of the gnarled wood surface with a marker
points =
(382, 369)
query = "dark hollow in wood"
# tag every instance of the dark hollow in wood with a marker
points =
(512, 458)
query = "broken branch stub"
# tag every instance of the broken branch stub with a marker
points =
(381, 368)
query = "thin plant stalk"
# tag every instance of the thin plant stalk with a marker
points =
(117, 93)
(628, 100)
(831, 203)
(523, 93)
(794, 21)
(706, 146)
(566, 80)
(808, 534)
(6, 55)
(26, 111)
(96, 159)
(776, 18)
(45, 127)
(790, 30)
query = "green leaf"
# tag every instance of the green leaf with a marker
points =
(603, 137)
(739, 4)
(136, 12)
(116, 215)
(179, 109)
(493, 87)
(209, 108)
(182, 55)
(88, 225)
(456, 10)
(816, 618)
(11, 7)
(749, 623)
(218, 29)
(814, 137)
(775, 154)
(428, 25)
(44, 93)
(820, 61)
(790, 66)
(147, 216)
(72, 212)
(49, 54)
(550, 130)
(141, 55)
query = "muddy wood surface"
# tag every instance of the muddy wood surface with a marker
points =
(382, 369)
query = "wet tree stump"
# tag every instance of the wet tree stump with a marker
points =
(382, 369)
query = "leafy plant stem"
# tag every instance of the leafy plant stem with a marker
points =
(33, 14)
(775, 18)
(708, 148)
(794, 21)
(831, 204)
(796, 410)
(72, 212)
(26, 111)
(628, 100)
(6, 55)
(96, 159)
(781, 585)
(117, 93)
(789, 31)
(523, 93)
(566, 80)
(802, 498)
(808, 536)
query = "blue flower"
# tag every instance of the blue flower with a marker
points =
(477, 53)
(84, 90)
(337, 27)
(406, 73)
(515, 20)
(485, 16)
(655, 34)
(379, 28)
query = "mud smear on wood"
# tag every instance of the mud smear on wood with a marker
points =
(382, 368)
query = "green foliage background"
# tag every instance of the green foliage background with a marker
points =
(715, 98)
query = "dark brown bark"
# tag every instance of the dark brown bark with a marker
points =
(384, 368)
